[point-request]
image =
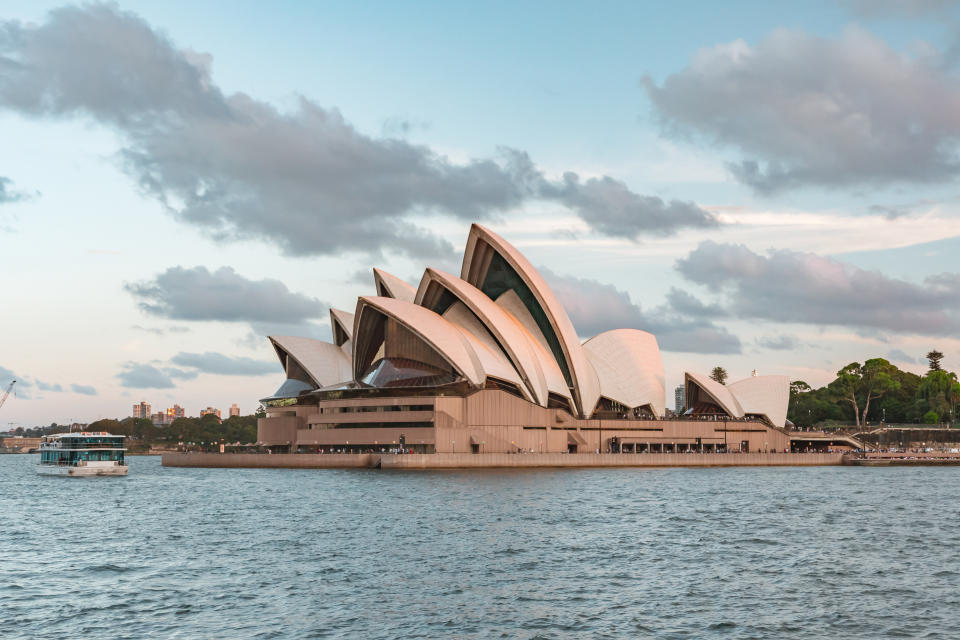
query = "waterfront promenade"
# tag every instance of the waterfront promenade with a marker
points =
(495, 460)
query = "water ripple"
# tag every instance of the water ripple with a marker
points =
(626, 553)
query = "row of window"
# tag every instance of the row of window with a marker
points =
(376, 409)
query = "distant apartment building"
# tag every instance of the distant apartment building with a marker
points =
(141, 410)
(234, 410)
(176, 412)
(215, 412)
(679, 399)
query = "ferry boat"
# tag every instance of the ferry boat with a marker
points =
(87, 453)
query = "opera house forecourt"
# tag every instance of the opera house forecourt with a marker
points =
(489, 362)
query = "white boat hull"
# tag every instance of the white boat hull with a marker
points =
(85, 470)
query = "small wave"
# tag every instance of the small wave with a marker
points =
(108, 568)
(720, 626)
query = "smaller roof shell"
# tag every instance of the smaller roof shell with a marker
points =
(719, 393)
(767, 396)
(342, 319)
(455, 345)
(629, 367)
(324, 362)
(389, 285)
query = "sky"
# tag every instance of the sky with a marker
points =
(768, 186)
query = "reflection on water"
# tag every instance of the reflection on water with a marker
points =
(658, 553)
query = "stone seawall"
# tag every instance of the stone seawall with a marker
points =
(271, 461)
(555, 460)
(496, 460)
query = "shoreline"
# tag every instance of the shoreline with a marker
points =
(494, 460)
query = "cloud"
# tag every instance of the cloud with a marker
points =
(157, 331)
(790, 286)
(217, 363)
(806, 110)
(224, 295)
(180, 374)
(21, 389)
(595, 307)
(686, 304)
(7, 194)
(45, 386)
(83, 389)
(897, 355)
(612, 209)
(782, 342)
(144, 376)
(305, 179)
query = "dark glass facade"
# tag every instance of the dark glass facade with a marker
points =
(501, 278)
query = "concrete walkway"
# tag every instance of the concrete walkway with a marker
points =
(495, 460)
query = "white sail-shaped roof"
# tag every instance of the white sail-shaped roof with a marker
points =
(629, 367)
(343, 320)
(462, 351)
(482, 245)
(767, 396)
(720, 394)
(390, 286)
(534, 364)
(324, 362)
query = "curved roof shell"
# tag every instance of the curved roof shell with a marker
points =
(536, 368)
(324, 362)
(717, 392)
(341, 323)
(767, 396)
(483, 247)
(629, 367)
(390, 286)
(462, 351)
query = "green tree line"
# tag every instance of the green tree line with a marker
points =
(143, 433)
(877, 390)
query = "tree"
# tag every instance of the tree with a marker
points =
(869, 381)
(719, 374)
(878, 379)
(847, 384)
(939, 392)
(931, 417)
(261, 412)
(935, 357)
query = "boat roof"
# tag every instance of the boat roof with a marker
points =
(85, 434)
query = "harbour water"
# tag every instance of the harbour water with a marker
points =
(808, 552)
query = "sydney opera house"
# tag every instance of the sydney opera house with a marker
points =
(489, 362)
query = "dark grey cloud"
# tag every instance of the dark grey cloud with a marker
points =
(198, 294)
(896, 355)
(305, 179)
(83, 389)
(217, 363)
(612, 209)
(144, 376)
(790, 286)
(595, 307)
(782, 342)
(685, 303)
(180, 374)
(807, 110)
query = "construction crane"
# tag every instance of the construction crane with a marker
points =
(9, 389)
